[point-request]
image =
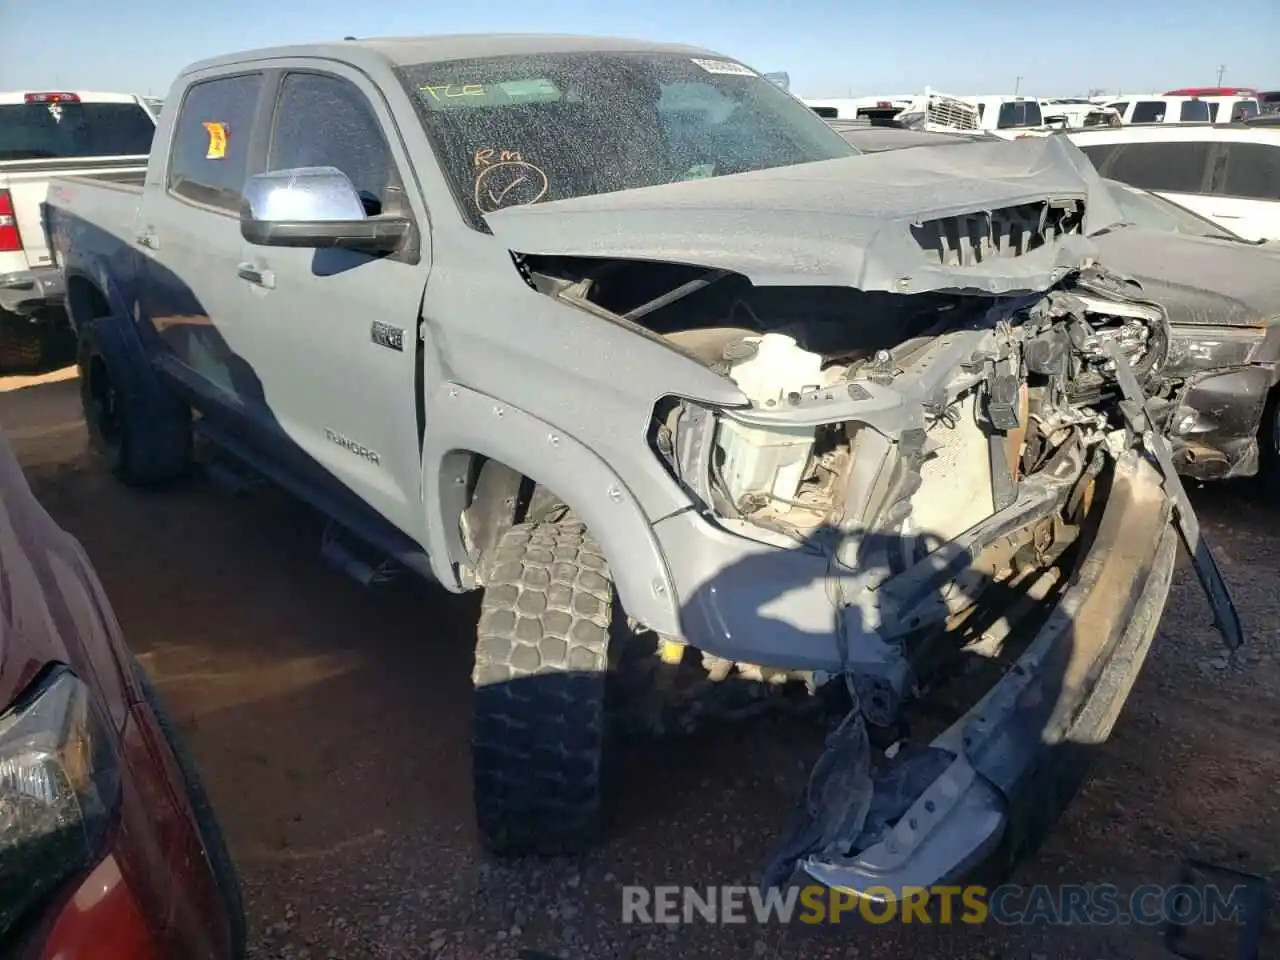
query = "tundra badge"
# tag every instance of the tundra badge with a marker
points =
(359, 449)
(385, 335)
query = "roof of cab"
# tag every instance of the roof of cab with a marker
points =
(445, 47)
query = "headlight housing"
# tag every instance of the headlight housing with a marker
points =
(59, 782)
(1192, 349)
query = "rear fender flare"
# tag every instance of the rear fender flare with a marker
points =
(119, 319)
(463, 423)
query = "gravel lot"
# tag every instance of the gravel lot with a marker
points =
(330, 722)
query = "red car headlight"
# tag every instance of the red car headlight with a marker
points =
(59, 782)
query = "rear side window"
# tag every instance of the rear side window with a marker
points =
(1019, 113)
(211, 140)
(1148, 111)
(1253, 171)
(1173, 167)
(1099, 153)
(1244, 109)
(1195, 111)
(68, 131)
(325, 121)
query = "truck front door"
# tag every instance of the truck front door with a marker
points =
(335, 332)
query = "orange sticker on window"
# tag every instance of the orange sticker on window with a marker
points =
(217, 141)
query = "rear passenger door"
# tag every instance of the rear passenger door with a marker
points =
(1245, 189)
(334, 332)
(188, 231)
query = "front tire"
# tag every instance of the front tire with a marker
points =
(136, 427)
(542, 657)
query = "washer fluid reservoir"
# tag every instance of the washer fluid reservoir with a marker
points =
(768, 460)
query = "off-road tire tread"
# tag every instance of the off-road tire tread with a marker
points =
(156, 441)
(539, 702)
(23, 346)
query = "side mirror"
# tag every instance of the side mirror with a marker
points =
(314, 207)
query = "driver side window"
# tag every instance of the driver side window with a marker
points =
(325, 121)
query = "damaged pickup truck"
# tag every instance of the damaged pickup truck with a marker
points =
(624, 336)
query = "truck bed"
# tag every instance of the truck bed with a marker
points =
(95, 215)
(130, 179)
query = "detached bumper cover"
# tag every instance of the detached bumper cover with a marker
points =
(26, 291)
(1021, 751)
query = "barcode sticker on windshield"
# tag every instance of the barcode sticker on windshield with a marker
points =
(727, 67)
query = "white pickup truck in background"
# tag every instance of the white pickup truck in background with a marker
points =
(46, 134)
(929, 111)
(1079, 113)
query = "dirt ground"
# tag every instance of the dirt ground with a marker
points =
(330, 722)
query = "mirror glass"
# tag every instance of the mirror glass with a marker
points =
(302, 194)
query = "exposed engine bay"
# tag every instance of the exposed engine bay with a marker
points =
(948, 458)
(882, 427)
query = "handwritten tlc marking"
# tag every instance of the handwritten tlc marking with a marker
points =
(448, 91)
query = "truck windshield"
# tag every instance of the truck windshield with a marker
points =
(66, 131)
(515, 130)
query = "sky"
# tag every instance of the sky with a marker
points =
(829, 48)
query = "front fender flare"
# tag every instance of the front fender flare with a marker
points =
(463, 422)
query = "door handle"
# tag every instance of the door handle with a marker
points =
(1227, 216)
(145, 238)
(263, 278)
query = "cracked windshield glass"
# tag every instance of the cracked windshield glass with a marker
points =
(523, 129)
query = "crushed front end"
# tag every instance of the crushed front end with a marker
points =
(941, 502)
(968, 533)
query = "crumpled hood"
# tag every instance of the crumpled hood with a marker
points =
(844, 222)
(1198, 279)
